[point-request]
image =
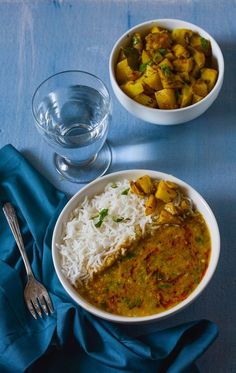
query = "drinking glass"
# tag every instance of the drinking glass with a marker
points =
(72, 111)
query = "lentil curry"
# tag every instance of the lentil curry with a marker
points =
(161, 268)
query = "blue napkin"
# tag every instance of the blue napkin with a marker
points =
(70, 340)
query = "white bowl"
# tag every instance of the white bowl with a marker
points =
(158, 116)
(97, 187)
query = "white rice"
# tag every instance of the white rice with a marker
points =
(85, 247)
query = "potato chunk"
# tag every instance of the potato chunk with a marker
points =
(158, 40)
(165, 63)
(145, 57)
(182, 36)
(210, 76)
(166, 218)
(123, 71)
(133, 89)
(145, 184)
(198, 57)
(180, 51)
(196, 98)
(186, 96)
(155, 29)
(200, 88)
(146, 100)
(165, 193)
(183, 64)
(135, 189)
(166, 99)
(171, 208)
(152, 78)
(150, 205)
(201, 44)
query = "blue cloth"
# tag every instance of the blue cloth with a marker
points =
(70, 340)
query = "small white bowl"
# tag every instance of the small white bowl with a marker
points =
(158, 116)
(97, 187)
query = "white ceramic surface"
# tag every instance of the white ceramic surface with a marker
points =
(158, 116)
(97, 187)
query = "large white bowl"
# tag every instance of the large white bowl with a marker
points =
(97, 187)
(159, 116)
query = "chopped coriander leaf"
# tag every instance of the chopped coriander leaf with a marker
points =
(132, 303)
(166, 70)
(98, 224)
(199, 240)
(157, 57)
(102, 214)
(143, 66)
(204, 43)
(177, 94)
(136, 303)
(164, 286)
(125, 192)
(129, 255)
(163, 51)
(118, 220)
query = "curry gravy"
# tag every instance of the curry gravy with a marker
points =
(156, 273)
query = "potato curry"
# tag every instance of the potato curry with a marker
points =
(166, 69)
(161, 268)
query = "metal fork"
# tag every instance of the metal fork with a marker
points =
(35, 294)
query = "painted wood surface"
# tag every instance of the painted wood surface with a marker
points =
(40, 38)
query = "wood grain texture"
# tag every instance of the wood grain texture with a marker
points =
(40, 38)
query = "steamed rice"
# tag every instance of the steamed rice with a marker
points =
(85, 248)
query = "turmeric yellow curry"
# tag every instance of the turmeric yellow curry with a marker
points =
(166, 69)
(161, 268)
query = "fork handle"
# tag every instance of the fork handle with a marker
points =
(12, 220)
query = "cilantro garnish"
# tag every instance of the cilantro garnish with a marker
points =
(102, 214)
(166, 70)
(177, 95)
(129, 255)
(135, 303)
(204, 43)
(125, 192)
(118, 220)
(143, 66)
(162, 51)
(164, 286)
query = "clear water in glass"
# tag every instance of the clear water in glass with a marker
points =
(74, 120)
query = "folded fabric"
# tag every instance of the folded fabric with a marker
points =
(71, 339)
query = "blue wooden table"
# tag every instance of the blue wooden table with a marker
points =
(40, 38)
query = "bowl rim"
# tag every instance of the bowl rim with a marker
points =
(219, 58)
(212, 226)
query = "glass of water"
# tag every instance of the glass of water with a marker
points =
(72, 111)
